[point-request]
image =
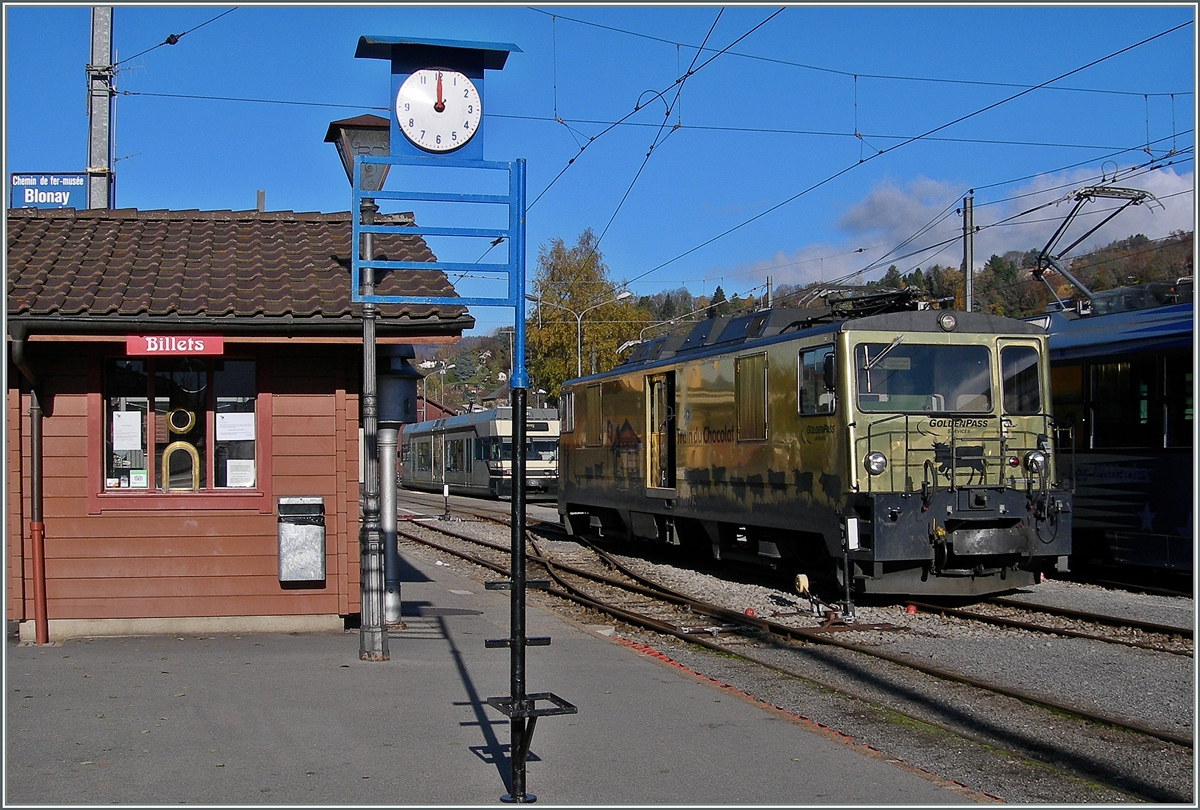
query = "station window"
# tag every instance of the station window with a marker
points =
(815, 381)
(179, 424)
(751, 395)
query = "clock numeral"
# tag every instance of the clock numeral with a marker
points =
(438, 139)
(454, 135)
(470, 109)
(407, 106)
(411, 123)
(467, 93)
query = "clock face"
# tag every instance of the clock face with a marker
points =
(438, 110)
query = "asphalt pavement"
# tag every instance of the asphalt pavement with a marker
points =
(298, 719)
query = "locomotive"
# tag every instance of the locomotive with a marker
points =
(877, 444)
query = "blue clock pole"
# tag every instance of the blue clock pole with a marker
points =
(423, 134)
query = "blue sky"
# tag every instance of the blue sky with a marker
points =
(810, 143)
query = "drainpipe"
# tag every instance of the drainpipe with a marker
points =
(37, 529)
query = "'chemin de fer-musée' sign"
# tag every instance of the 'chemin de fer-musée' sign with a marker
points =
(166, 345)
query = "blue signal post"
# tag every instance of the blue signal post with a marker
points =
(471, 58)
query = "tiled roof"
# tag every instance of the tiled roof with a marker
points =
(240, 267)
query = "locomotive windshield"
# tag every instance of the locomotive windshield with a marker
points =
(902, 376)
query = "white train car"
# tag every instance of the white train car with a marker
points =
(473, 453)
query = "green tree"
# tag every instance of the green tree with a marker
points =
(568, 282)
(718, 305)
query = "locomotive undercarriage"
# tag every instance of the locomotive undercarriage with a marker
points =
(953, 542)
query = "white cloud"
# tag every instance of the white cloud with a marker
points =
(879, 229)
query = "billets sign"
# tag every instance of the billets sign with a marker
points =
(48, 190)
(162, 345)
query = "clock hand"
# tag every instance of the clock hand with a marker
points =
(440, 106)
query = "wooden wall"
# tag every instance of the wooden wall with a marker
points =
(145, 556)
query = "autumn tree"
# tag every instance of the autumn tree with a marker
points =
(570, 282)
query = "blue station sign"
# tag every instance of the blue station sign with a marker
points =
(48, 190)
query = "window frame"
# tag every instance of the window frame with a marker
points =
(566, 402)
(820, 352)
(101, 499)
(1008, 393)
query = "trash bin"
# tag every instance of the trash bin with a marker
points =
(301, 539)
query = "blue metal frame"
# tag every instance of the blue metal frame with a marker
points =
(514, 233)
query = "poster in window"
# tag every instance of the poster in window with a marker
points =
(239, 472)
(126, 431)
(233, 427)
(138, 479)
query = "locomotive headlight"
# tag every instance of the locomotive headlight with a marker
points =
(1035, 461)
(875, 462)
(947, 321)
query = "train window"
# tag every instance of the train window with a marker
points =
(424, 456)
(566, 411)
(1022, 388)
(591, 417)
(1179, 400)
(1123, 395)
(815, 381)
(1067, 384)
(455, 455)
(920, 377)
(751, 395)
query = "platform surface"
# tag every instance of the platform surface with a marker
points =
(299, 719)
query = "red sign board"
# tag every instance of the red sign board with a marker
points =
(167, 345)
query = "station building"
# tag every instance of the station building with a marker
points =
(173, 376)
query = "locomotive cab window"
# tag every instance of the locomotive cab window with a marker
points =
(1021, 380)
(815, 381)
(911, 377)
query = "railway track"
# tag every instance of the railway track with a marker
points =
(1058, 621)
(998, 611)
(728, 631)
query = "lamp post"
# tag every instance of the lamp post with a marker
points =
(621, 296)
(441, 371)
(367, 135)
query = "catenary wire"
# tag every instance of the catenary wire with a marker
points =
(858, 74)
(958, 120)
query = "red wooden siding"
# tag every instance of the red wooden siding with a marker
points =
(139, 555)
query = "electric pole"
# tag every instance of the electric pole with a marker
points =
(969, 251)
(100, 102)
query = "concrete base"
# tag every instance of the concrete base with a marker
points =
(63, 629)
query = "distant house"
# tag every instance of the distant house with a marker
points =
(171, 376)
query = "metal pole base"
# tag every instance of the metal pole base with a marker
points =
(391, 606)
(525, 798)
(372, 644)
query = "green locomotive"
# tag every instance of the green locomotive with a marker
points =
(905, 449)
